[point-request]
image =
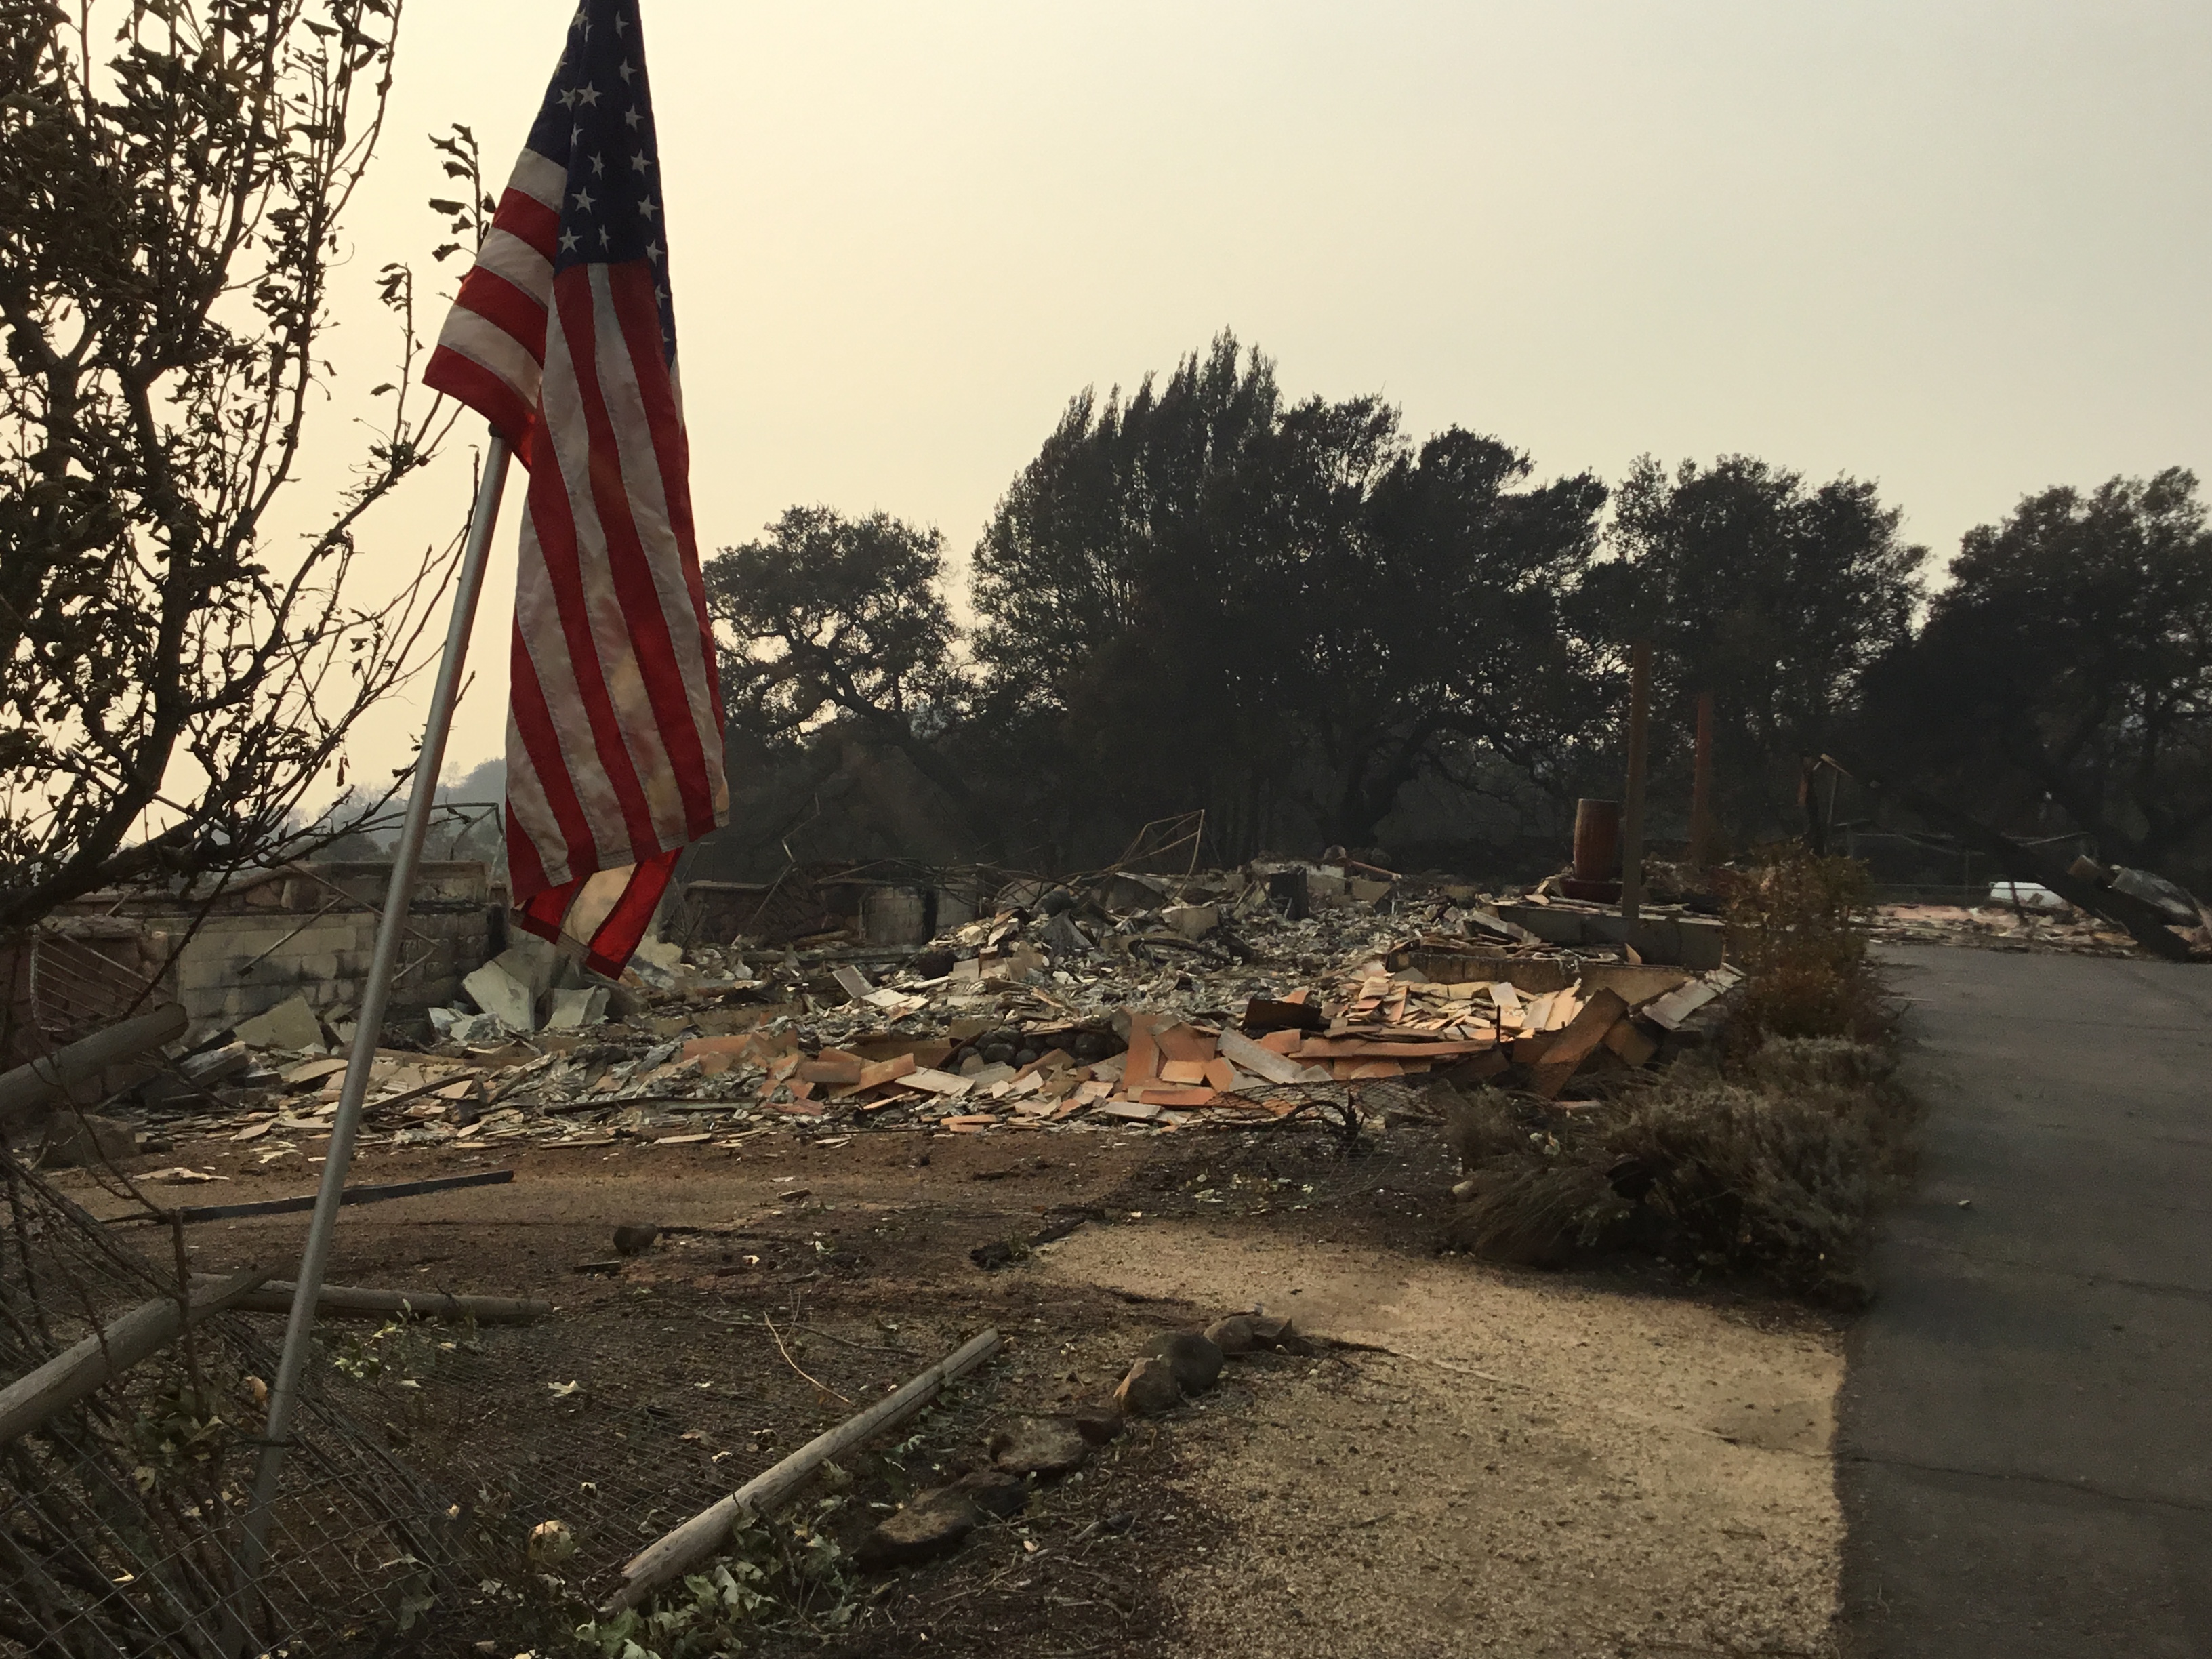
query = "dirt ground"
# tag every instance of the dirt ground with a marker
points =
(1476, 1460)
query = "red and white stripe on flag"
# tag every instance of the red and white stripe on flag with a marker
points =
(564, 337)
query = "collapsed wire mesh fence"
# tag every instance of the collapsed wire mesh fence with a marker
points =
(120, 1515)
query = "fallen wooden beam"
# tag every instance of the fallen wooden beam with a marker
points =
(349, 1301)
(25, 1092)
(71, 1375)
(677, 1553)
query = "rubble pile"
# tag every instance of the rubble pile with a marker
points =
(2002, 927)
(1123, 1001)
(2022, 916)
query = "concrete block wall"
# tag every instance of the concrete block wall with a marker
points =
(295, 930)
(239, 965)
(312, 933)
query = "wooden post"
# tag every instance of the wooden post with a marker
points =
(1639, 755)
(1701, 788)
(105, 1355)
(28, 1091)
(677, 1553)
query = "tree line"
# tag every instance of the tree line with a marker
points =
(1298, 616)
(1294, 615)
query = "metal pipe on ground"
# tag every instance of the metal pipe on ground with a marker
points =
(377, 1194)
(349, 1301)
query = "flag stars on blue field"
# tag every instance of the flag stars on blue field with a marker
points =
(600, 110)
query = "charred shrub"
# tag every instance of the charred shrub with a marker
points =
(1772, 1167)
(1797, 926)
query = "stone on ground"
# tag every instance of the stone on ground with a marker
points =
(930, 1525)
(1041, 1446)
(1232, 1335)
(1195, 1362)
(1100, 1425)
(994, 1490)
(1149, 1389)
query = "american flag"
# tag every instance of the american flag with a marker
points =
(563, 336)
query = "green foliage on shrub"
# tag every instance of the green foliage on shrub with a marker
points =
(1797, 926)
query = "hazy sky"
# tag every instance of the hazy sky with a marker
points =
(1962, 249)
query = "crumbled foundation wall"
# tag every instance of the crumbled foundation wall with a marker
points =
(311, 930)
(237, 966)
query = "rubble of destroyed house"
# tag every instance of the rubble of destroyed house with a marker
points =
(1120, 1002)
(842, 997)
(2026, 915)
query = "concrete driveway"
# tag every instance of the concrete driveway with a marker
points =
(2025, 1440)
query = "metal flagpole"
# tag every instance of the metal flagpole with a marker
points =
(407, 859)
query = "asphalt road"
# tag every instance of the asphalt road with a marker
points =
(2025, 1435)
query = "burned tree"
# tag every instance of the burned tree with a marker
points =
(178, 662)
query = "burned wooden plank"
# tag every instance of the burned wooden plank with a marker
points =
(1573, 1045)
(75, 1372)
